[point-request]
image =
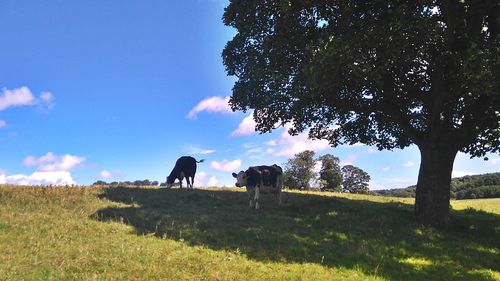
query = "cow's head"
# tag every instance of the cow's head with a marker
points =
(170, 181)
(241, 179)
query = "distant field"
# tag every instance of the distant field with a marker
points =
(210, 234)
(489, 205)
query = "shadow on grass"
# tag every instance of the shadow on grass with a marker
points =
(379, 239)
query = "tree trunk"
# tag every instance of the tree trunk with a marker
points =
(432, 201)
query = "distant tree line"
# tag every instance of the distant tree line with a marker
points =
(299, 173)
(127, 183)
(468, 187)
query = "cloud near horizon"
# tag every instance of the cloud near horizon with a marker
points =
(39, 178)
(51, 162)
(50, 170)
(105, 174)
(211, 104)
(202, 179)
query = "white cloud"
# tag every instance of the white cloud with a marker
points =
(390, 183)
(254, 151)
(385, 169)
(349, 161)
(211, 104)
(16, 97)
(47, 97)
(3, 124)
(47, 100)
(317, 166)
(24, 97)
(493, 161)
(459, 174)
(246, 127)
(205, 180)
(226, 165)
(51, 162)
(408, 164)
(287, 145)
(197, 150)
(200, 178)
(271, 143)
(40, 178)
(212, 181)
(105, 174)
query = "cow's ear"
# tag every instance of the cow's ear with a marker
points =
(235, 175)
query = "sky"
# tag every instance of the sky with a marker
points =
(118, 90)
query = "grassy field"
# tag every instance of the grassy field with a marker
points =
(210, 234)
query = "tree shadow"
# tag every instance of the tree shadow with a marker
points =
(381, 239)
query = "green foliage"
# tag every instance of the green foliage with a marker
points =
(129, 233)
(299, 170)
(127, 183)
(355, 180)
(480, 186)
(467, 187)
(408, 192)
(389, 73)
(383, 73)
(330, 173)
(489, 191)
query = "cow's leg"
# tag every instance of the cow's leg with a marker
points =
(256, 198)
(279, 185)
(279, 196)
(188, 183)
(192, 181)
(251, 194)
(180, 183)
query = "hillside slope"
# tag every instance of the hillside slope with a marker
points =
(211, 234)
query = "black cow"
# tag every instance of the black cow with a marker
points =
(185, 167)
(261, 178)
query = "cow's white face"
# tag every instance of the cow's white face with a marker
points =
(241, 179)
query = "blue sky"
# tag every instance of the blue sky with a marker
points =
(118, 90)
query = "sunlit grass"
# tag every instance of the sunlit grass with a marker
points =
(211, 234)
(489, 205)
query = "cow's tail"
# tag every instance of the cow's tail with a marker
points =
(200, 161)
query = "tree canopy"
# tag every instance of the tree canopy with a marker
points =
(299, 170)
(387, 72)
(383, 73)
(355, 180)
(330, 173)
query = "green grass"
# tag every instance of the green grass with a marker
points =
(211, 234)
(489, 205)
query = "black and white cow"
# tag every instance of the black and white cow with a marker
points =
(185, 167)
(261, 179)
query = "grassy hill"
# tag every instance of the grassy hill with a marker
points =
(210, 234)
(467, 187)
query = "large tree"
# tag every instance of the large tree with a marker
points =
(355, 180)
(330, 173)
(299, 170)
(383, 73)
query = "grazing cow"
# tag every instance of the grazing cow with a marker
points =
(185, 167)
(261, 178)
